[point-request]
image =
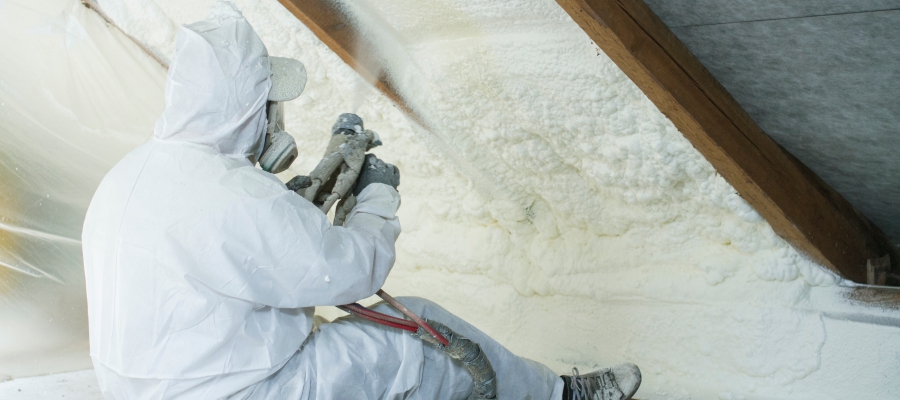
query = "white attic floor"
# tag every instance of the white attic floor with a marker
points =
(78, 385)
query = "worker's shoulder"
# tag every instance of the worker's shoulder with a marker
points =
(119, 181)
(223, 176)
(253, 182)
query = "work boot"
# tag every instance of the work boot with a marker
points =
(616, 383)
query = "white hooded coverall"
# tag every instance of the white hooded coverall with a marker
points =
(203, 271)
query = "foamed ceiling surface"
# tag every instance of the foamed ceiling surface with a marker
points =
(821, 77)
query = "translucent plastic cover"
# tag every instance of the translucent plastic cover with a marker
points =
(75, 96)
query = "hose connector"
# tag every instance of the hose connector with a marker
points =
(474, 360)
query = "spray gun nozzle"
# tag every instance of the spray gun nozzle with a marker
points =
(347, 124)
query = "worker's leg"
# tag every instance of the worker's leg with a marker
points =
(517, 377)
(351, 358)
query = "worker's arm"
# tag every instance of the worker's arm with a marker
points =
(283, 252)
(358, 256)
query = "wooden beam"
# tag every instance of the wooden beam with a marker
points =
(883, 297)
(800, 207)
(334, 27)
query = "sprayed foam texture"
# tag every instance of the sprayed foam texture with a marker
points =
(551, 204)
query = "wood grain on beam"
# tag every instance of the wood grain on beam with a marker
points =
(875, 296)
(801, 208)
(334, 27)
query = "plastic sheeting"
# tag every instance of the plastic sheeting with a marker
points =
(75, 96)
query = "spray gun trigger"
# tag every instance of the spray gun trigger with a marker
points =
(376, 140)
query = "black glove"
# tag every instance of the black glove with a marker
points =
(299, 182)
(376, 171)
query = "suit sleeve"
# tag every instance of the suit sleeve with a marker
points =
(283, 252)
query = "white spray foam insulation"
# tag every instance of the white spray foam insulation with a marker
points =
(551, 204)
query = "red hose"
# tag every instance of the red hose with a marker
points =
(394, 322)
(384, 317)
(411, 328)
(392, 301)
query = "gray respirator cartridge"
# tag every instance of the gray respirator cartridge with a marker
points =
(280, 149)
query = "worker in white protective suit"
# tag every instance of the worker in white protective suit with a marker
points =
(203, 270)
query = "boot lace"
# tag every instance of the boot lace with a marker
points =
(594, 386)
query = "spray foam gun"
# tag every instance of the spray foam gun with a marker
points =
(332, 181)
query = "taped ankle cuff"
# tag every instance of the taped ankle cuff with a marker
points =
(566, 394)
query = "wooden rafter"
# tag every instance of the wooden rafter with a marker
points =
(334, 28)
(799, 206)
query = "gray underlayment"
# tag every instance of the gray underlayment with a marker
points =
(822, 77)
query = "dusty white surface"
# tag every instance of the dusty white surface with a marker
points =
(551, 204)
(79, 385)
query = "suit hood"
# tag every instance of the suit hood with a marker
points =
(217, 86)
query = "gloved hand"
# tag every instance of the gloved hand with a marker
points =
(376, 171)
